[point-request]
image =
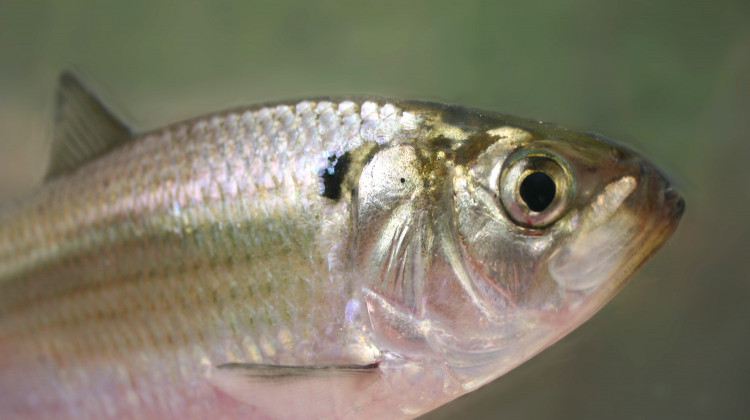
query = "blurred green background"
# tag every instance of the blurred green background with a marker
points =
(670, 78)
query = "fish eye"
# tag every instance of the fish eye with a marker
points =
(535, 188)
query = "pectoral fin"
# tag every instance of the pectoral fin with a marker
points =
(291, 392)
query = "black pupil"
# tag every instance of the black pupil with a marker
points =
(538, 191)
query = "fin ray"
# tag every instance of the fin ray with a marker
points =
(84, 127)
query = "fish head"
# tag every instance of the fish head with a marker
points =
(558, 221)
(486, 238)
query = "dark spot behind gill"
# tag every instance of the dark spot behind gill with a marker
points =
(333, 176)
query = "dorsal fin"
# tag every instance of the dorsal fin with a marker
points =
(84, 128)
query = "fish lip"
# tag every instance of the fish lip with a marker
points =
(675, 201)
(656, 199)
(672, 203)
(660, 206)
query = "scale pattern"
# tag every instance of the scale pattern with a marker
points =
(204, 243)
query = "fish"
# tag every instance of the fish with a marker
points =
(333, 258)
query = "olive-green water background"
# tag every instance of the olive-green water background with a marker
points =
(671, 78)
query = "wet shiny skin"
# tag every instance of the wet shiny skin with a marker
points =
(126, 284)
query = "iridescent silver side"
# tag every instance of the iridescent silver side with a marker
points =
(126, 283)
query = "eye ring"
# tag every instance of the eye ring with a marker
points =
(536, 187)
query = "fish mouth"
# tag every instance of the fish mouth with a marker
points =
(619, 232)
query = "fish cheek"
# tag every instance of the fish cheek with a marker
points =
(390, 226)
(500, 255)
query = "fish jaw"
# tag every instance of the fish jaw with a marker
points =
(625, 225)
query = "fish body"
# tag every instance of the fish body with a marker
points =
(337, 258)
